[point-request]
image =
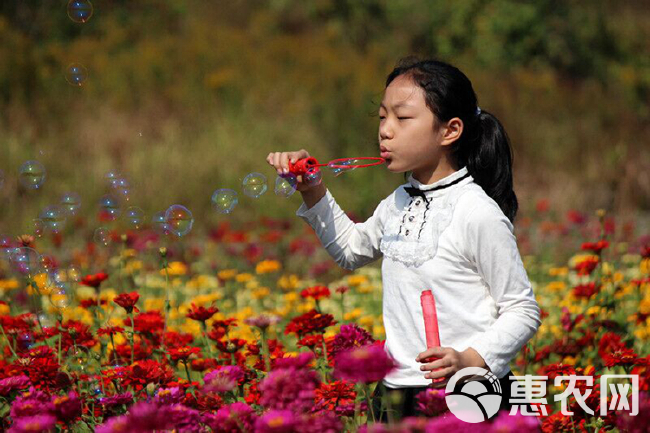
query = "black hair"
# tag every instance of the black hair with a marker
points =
(483, 147)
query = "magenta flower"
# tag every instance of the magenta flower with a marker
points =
(431, 402)
(638, 423)
(234, 418)
(13, 383)
(350, 336)
(290, 387)
(224, 378)
(276, 421)
(449, 422)
(365, 364)
(184, 419)
(301, 361)
(31, 424)
(116, 400)
(262, 321)
(30, 404)
(117, 424)
(169, 395)
(320, 422)
(67, 407)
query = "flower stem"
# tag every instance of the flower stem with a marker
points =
(366, 390)
(8, 342)
(187, 372)
(132, 336)
(265, 351)
(205, 339)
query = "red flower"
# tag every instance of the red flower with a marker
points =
(331, 395)
(221, 327)
(177, 339)
(342, 289)
(586, 290)
(596, 247)
(94, 280)
(311, 341)
(316, 292)
(542, 205)
(587, 266)
(150, 322)
(148, 371)
(109, 330)
(201, 314)
(559, 369)
(127, 301)
(309, 323)
(609, 342)
(622, 356)
(182, 353)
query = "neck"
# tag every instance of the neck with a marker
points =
(430, 175)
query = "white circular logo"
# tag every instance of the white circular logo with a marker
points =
(473, 394)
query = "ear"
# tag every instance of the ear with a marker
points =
(451, 131)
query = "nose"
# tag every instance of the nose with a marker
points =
(385, 132)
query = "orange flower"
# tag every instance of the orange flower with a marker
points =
(201, 314)
(127, 301)
(94, 280)
(316, 292)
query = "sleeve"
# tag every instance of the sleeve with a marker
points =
(350, 245)
(492, 246)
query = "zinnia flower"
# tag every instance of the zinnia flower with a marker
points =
(14, 383)
(182, 353)
(67, 407)
(234, 418)
(431, 402)
(32, 424)
(94, 280)
(262, 321)
(225, 378)
(316, 292)
(596, 247)
(201, 314)
(276, 421)
(127, 301)
(365, 364)
(350, 336)
(309, 323)
(291, 385)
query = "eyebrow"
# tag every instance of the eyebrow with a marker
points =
(398, 105)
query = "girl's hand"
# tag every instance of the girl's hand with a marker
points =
(446, 362)
(280, 161)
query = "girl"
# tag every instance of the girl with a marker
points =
(449, 229)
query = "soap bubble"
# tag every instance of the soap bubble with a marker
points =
(76, 74)
(32, 174)
(340, 167)
(224, 200)
(26, 261)
(73, 274)
(134, 217)
(312, 177)
(46, 320)
(39, 227)
(112, 177)
(59, 297)
(49, 264)
(285, 185)
(109, 206)
(71, 202)
(80, 11)
(180, 219)
(25, 340)
(121, 189)
(254, 185)
(102, 236)
(53, 217)
(6, 247)
(159, 223)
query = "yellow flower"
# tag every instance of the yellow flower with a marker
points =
(353, 315)
(244, 278)
(261, 293)
(154, 304)
(558, 272)
(378, 331)
(291, 297)
(593, 310)
(306, 306)
(641, 333)
(367, 322)
(357, 280)
(175, 269)
(227, 274)
(205, 300)
(9, 284)
(132, 266)
(267, 267)
(288, 282)
(556, 286)
(573, 261)
(644, 306)
(252, 285)
(4, 309)
(569, 360)
(644, 266)
(366, 288)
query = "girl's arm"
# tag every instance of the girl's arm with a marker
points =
(350, 245)
(492, 246)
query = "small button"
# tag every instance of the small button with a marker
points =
(417, 202)
(411, 218)
(407, 232)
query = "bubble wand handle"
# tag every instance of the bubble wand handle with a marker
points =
(430, 323)
(302, 166)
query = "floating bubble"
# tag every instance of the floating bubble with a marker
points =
(180, 219)
(312, 177)
(285, 185)
(25, 340)
(159, 223)
(76, 74)
(32, 174)
(340, 167)
(80, 11)
(224, 200)
(73, 274)
(112, 177)
(6, 247)
(102, 236)
(53, 217)
(254, 185)
(71, 202)
(110, 206)
(49, 264)
(39, 227)
(77, 358)
(134, 217)
(46, 320)
(60, 298)
(26, 261)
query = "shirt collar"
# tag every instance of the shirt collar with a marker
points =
(446, 182)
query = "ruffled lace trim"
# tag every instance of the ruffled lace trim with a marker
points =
(415, 251)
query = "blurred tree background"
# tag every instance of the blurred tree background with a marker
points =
(187, 96)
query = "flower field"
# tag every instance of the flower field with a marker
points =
(251, 327)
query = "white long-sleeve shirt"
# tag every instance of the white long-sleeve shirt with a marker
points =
(459, 244)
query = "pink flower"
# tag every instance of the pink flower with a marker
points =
(14, 383)
(35, 423)
(276, 421)
(350, 336)
(292, 385)
(234, 418)
(431, 402)
(225, 378)
(365, 364)
(67, 407)
(506, 423)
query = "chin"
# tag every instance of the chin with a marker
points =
(393, 168)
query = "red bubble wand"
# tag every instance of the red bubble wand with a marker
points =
(430, 325)
(310, 165)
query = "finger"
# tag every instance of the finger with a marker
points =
(440, 385)
(269, 158)
(284, 162)
(437, 352)
(444, 372)
(276, 161)
(440, 363)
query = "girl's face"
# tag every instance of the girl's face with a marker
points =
(410, 136)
